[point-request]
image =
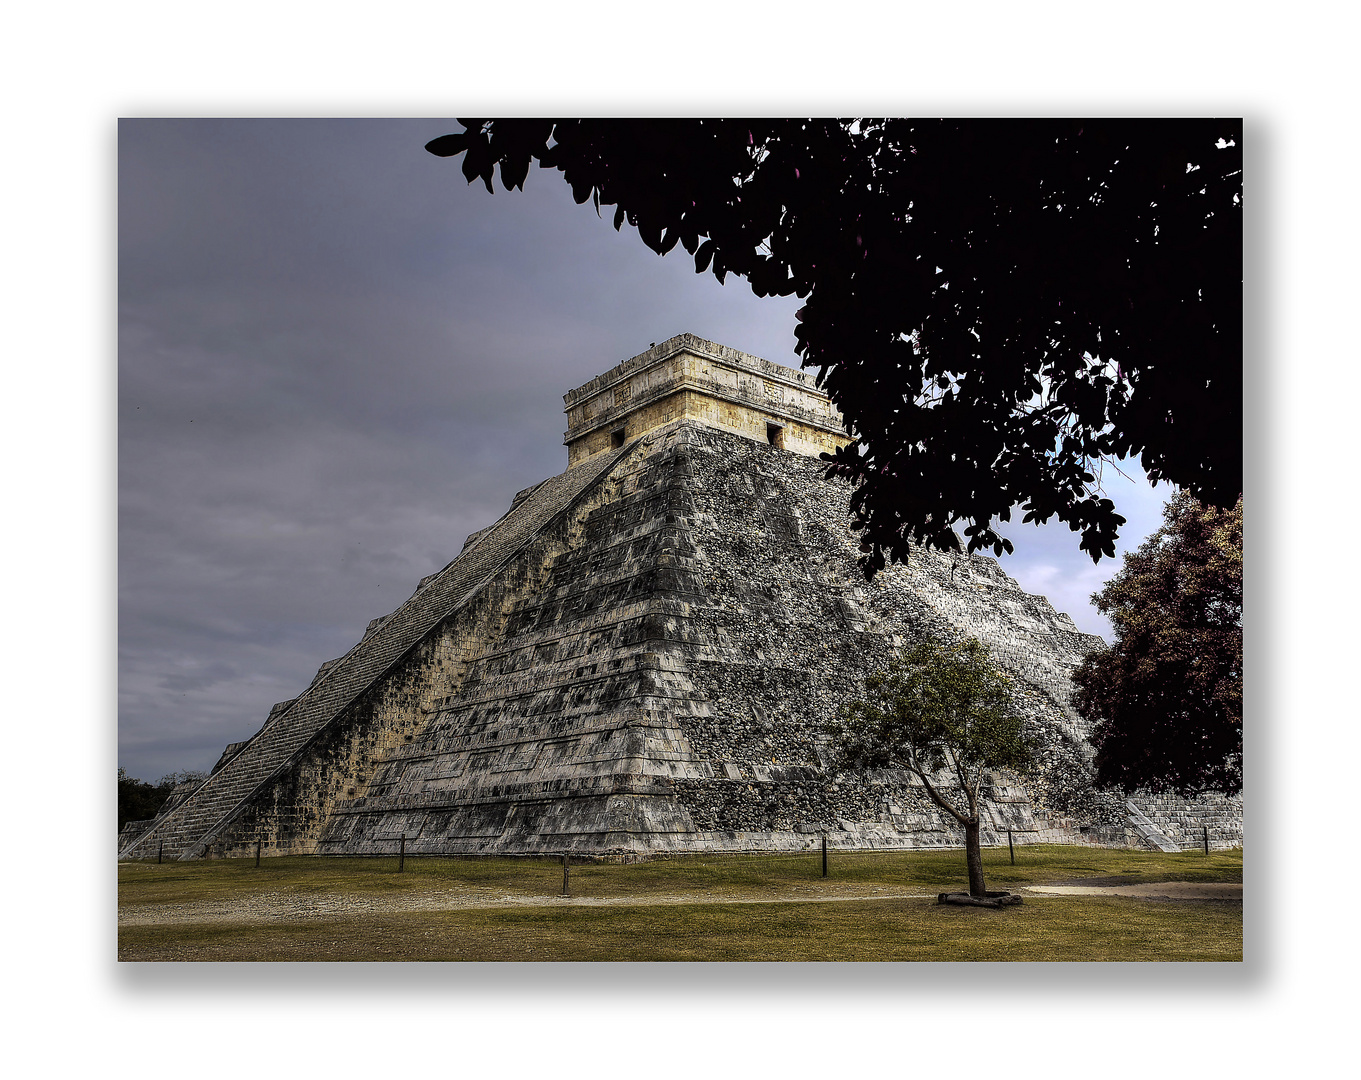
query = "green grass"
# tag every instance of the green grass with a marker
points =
(716, 918)
(937, 871)
(1071, 928)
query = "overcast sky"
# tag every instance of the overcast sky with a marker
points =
(336, 360)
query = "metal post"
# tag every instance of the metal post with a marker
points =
(824, 854)
(401, 855)
(1011, 848)
(160, 850)
(1205, 833)
(566, 880)
(258, 842)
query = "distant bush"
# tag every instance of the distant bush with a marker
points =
(138, 800)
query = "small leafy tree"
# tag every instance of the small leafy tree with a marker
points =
(1166, 700)
(942, 712)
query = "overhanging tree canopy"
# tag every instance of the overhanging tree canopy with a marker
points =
(996, 307)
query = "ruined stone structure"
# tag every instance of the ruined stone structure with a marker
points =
(637, 658)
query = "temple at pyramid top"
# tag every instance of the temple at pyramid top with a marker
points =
(688, 378)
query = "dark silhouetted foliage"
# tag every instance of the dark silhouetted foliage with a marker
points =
(140, 801)
(996, 307)
(1167, 698)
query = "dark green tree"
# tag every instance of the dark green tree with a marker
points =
(996, 307)
(137, 800)
(943, 713)
(1166, 699)
(140, 801)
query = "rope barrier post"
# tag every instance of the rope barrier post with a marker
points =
(1011, 848)
(566, 880)
(401, 855)
(1205, 834)
(258, 842)
(824, 854)
(160, 850)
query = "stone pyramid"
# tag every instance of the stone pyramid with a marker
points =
(638, 656)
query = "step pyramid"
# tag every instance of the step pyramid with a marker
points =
(639, 656)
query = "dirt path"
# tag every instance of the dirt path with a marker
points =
(1156, 890)
(285, 907)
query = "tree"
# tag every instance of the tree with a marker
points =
(137, 800)
(939, 711)
(996, 307)
(140, 801)
(1166, 700)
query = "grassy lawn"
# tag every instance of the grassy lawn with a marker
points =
(873, 907)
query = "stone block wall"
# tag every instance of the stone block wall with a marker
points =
(1181, 820)
(689, 378)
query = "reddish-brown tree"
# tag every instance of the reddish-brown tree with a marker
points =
(1167, 698)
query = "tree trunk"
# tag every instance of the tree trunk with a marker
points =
(973, 854)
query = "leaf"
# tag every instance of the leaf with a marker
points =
(448, 145)
(478, 161)
(703, 256)
(513, 173)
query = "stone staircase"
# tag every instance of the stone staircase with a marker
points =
(1152, 835)
(187, 828)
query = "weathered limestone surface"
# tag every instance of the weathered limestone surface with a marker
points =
(688, 378)
(637, 659)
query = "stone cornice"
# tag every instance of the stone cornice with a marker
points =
(697, 346)
(737, 362)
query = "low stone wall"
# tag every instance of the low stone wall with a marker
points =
(131, 830)
(1182, 820)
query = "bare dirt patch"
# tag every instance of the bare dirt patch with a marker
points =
(1155, 890)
